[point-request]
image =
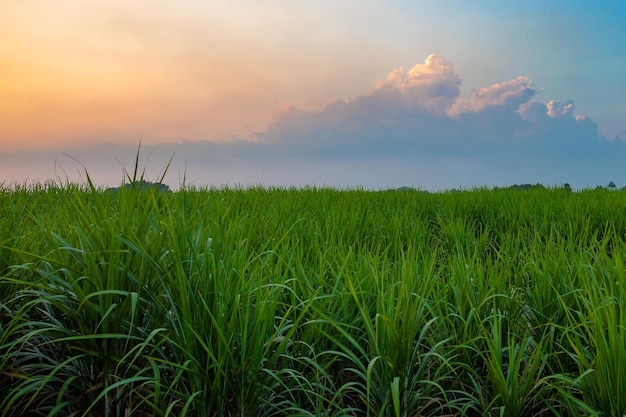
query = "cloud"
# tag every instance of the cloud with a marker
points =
(419, 116)
(420, 112)
(413, 128)
(433, 85)
(508, 95)
(557, 109)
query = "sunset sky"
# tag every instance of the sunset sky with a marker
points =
(350, 93)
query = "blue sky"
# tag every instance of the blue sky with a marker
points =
(368, 94)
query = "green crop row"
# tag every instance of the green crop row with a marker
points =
(311, 302)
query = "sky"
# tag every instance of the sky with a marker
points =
(353, 93)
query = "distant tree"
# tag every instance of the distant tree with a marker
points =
(521, 187)
(143, 185)
(611, 186)
(567, 187)
(537, 186)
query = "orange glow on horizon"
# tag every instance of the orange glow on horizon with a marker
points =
(93, 71)
(74, 70)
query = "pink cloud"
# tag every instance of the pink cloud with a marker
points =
(563, 111)
(557, 109)
(511, 93)
(435, 70)
(420, 112)
(532, 110)
(433, 85)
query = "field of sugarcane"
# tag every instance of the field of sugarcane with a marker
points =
(311, 302)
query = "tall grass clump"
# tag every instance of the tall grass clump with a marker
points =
(311, 302)
(85, 336)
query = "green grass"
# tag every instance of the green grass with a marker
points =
(311, 302)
